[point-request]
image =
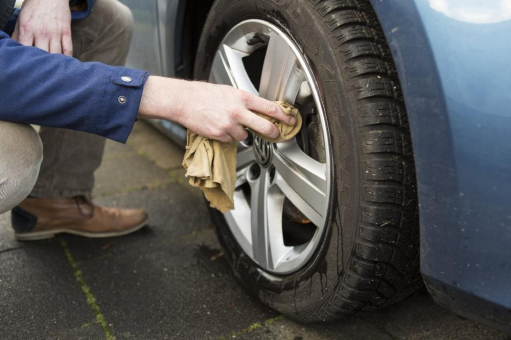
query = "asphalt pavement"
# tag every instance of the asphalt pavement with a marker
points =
(170, 280)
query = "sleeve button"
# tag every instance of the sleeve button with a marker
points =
(126, 79)
(122, 99)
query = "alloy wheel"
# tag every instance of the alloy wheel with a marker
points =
(282, 190)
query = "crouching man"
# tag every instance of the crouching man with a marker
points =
(67, 76)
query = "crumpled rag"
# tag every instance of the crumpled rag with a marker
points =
(211, 165)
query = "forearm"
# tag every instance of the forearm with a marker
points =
(163, 98)
(59, 91)
(214, 111)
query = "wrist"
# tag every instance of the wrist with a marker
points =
(147, 103)
(163, 98)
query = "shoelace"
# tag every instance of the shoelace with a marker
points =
(80, 201)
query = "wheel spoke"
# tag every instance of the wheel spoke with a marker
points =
(245, 157)
(266, 221)
(228, 69)
(275, 239)
(259, 219)
(281, 78)
(302, 179)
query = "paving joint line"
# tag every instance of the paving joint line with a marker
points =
(119, 155)
(253, 327)
(10, 249)
(91, 300)
(71, 330)
(139, 149)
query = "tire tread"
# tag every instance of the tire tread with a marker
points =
(384, 266)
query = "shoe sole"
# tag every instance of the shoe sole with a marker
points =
(43, 235)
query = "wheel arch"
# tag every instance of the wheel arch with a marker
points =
(452, 68)
(428, 116)
(422, 92)
(190, 17)
(177, 20)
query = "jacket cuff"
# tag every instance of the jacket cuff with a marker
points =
(79, 15)
(121, 102)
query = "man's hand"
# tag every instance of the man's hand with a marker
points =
(214, 111)
(45, 24)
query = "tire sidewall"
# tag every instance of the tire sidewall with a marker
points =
(300, 292)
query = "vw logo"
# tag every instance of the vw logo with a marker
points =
(263, 151)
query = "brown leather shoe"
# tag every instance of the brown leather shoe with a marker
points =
(42, 218)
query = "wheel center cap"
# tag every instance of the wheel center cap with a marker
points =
(263, 151)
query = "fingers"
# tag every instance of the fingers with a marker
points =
(55, 45)
(42, 42)
(235, 133)
(259, 124)
(25, 36)
(225, 139)
(239, 133)
(267, 108)
(67, 44)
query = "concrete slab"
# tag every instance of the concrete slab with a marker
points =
(172, 290)
(156, 147)
(39, 296)
(271, 329)
(117, 150)
(128, 173)
(419, 317)
(166, 280)
(87, 331)
(140, 136)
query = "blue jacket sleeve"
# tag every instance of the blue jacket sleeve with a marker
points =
(59, 91)
(83, 14)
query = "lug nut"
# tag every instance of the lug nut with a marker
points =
(250, 139)
(254, 172)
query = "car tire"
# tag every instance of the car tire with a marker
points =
(368, 255)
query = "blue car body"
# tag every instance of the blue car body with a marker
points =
(453, 61)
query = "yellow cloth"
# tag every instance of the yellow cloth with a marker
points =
(211, 165)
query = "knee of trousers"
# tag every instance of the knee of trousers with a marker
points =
(21, 154)
(126, 19)
(121, 19)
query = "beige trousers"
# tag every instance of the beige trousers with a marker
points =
(70, 157)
